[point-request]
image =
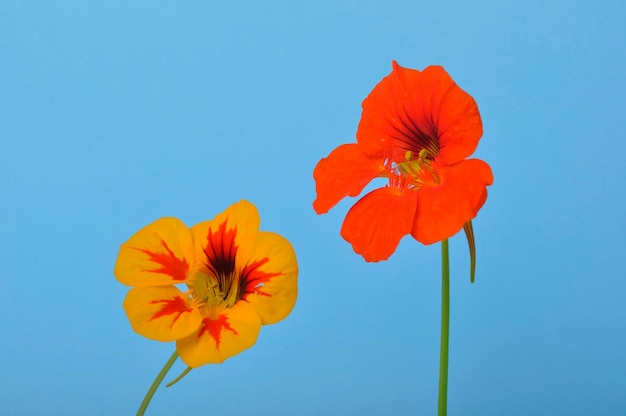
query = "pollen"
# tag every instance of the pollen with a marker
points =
(212, 295)
(413, 172)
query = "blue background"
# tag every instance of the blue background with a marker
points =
(113, 114)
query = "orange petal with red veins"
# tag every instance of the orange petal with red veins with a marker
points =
(161, 313)
(443, 104)
(218, 338)
(345, 172)
(413, 110)
(459, 125)
(442, 210)
(269, 277)
(378, 221)
(159, 254)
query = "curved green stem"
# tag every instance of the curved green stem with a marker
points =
(177, 379)
(469, 233)
(445, 330)
(155, 384)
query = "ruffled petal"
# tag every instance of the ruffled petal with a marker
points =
(263, 263)
(161, 313)
(442, 210)
(159, 254)
(217, 241)
(434, 99)
(269, 277)
(345, 172)
(415, 110)
(221, 337)
(397, 115)
(378, 221)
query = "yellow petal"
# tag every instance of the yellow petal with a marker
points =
(219, 240)
(270, 277)
(220, 337)
(159, 254)
(161, 313)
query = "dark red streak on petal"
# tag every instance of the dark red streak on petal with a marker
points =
(214, 328)
(414, 137)
(252, 279)
(171, 265)
(221, 251)
(176, 306)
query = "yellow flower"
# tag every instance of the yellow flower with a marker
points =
(234, 279)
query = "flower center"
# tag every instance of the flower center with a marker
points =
(414, 171)
(213, 294)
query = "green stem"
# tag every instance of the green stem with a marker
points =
(445, 330)
(177, 379)
(155, 384)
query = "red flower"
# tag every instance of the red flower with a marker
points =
(416, 129)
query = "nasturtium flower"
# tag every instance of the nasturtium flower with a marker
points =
(209, 287)
(417, 128)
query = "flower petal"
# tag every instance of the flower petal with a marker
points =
(414, 110)
(264, 262)
(378, 221)
(442, 103)
(220, 337)
(159, 254)
(269, 277)
(161, 313)
(443, 210)
(345, 172)
(218, 240)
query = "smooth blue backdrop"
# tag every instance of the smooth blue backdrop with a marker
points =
(113, 114)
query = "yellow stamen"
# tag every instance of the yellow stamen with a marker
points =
(209, 297)
(414, 168)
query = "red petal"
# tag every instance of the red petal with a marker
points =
(442, 210)
(345, 172)
(413, 110)
(378, 221)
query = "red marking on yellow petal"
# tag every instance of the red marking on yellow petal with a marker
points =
(214, 328)
(253, 279)
(176, 306)
(221, 250)
(170, 264)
